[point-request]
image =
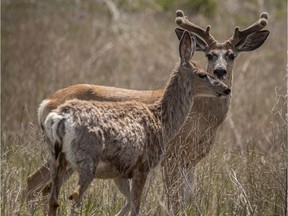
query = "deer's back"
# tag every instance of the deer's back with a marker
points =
(95, 93)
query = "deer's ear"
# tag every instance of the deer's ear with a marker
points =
(186, 47)
(179, 32)
(253, 41)
(200, 44)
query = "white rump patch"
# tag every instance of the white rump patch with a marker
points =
(41, 118)
(68, 138)
(51, 126)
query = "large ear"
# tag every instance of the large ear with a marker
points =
(186, 47)
(179, 32)
(200, 45)
(253, 41)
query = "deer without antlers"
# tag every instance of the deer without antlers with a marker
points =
(123, 140)
(197, 136)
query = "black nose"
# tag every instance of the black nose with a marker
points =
(220, 73)
(227, 91)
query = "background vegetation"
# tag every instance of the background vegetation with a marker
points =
(48, 45)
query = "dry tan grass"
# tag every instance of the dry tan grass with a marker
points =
(47, 45)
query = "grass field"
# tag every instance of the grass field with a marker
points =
(48, 45)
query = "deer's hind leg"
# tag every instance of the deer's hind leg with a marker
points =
(124, 187)
(58, 169)
(86, 151)
(138, 182)
(86, 169)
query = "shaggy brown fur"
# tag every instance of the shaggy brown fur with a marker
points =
(123, 139)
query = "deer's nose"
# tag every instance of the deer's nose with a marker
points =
(220, 73)
(227, 91)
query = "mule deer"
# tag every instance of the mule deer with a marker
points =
(123, 140)
(198, 134)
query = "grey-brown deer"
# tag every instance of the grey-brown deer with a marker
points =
(198, 134)
(123, 140)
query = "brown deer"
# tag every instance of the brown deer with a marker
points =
(123, 140)
(197, 136)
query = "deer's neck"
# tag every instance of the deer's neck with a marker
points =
(212, 111)
(175, 104)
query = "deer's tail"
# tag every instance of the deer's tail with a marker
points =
(54, 129)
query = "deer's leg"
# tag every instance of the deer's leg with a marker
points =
(138, 182)
(124, 187)
(179, 189)
(86, 169)
(187, 175)
(172, 184)
(47, 189)
(38, 180)
(58, 169)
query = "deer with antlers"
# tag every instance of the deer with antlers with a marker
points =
(197, 135)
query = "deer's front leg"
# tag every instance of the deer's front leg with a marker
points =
(138, 182)
(173, 185)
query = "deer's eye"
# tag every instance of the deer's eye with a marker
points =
(231, 56)
(202, 76)
(209, 56)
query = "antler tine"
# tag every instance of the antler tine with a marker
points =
(257, 26)
(183, 22)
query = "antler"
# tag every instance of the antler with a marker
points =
(183, 22)
(242, 35)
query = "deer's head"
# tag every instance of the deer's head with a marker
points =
(204, 84)
(221, 56)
